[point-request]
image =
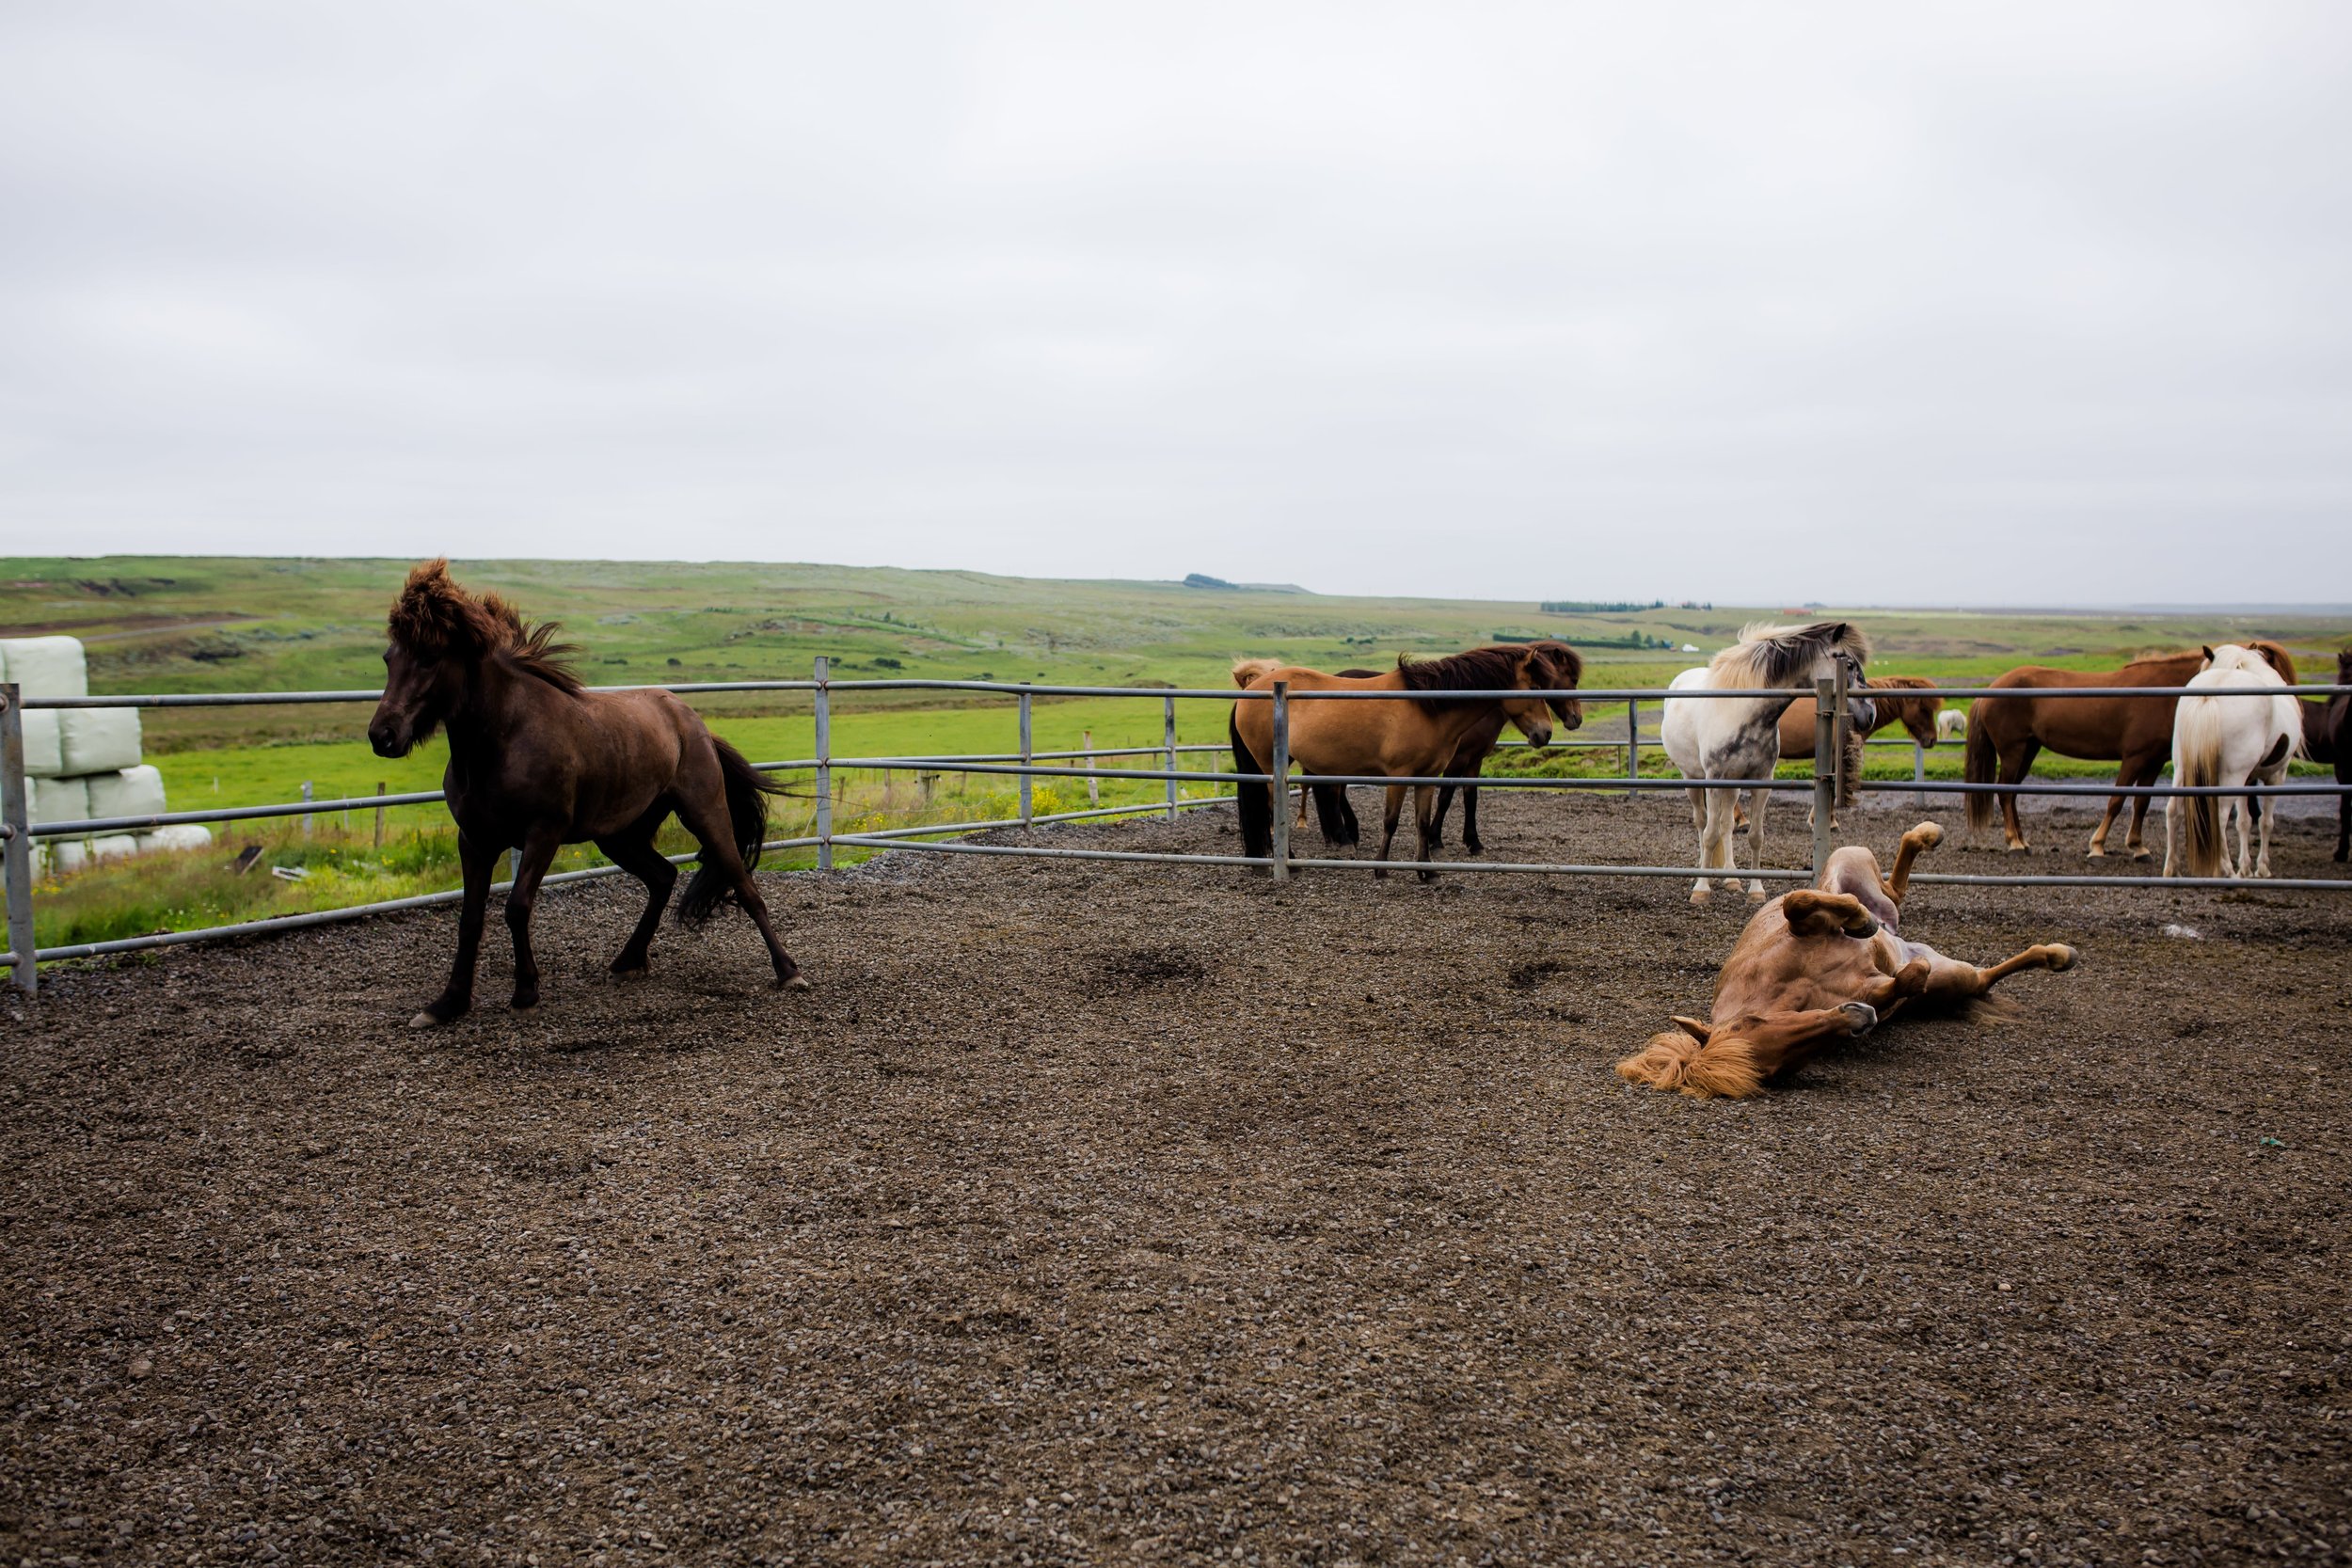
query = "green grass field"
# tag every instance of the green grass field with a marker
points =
(169, 624)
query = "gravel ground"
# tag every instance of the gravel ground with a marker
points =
(1097, 1211)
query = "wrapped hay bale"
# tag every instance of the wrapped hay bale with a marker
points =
(180, 835)
(132, 792)
(54, 800)
(46, 667)
(97, 739)
(112, 846)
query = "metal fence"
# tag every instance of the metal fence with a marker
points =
(18, 833)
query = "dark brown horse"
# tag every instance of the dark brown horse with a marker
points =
(2327, 738)
(536, 762)
(2007, 733)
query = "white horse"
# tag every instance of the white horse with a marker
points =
(1738, 738)
(2229, 740)
(1951, 723)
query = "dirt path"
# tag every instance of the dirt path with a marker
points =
(1092, 1211)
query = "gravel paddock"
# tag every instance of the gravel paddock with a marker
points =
(1091, 1211)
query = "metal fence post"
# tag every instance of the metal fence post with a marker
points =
(1027, 758)
(1168, 722)
(824, 765)
(379, 817)
(16, 819)
(1279, 789)
(1845, 733)
(1632, 743)
(306, 816)
(1919, 774)
(1095, 786)
(1824, 770)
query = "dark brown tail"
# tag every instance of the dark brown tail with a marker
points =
(1255, 802)
(747, 815)
(1979, 766)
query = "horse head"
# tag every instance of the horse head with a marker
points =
(436, 637)
(1530, 716)
(1910, 701)
(1564, 670)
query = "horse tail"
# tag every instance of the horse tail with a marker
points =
(747, 792)
(1255, 802)
(1332, 814)
(1724, 1066)
(1979, 765)
(2197, 760)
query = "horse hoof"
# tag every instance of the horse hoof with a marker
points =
(426, 1021)
(2021, 849)
(1864, 931)
(627, 976)
(798, 982)
(1866, 1018)
(1702, 896)
(2151, 854)
(2064, 959)
(1756, 894)
(522, 1009)
(1930, 834)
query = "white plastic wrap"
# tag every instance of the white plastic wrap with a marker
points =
(98, 739)
(132, 792)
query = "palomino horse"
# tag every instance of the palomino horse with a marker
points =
(1738, 738)
(2006, 732)
(2229, 740)
(1565, 670)
(1408, 738)
(536, 762)
(1820, 964)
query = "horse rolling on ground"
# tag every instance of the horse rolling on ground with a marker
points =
(536, 762)
(1814, 966)
(1738, 738)
(2229, 740)
(1411, 736)
(2006, 734)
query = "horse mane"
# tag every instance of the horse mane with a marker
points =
(1560, 660)
(1493, 668)
(1247, 669)
(1767, 656)
(435, 618)
(2238, 656)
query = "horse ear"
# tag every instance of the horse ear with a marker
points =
(2270, 656)
(2207, 651)
(1693, 1028)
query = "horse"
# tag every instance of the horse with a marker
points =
(1738, 738)
(1338, 818)
(1951, 723)
(1412, 737)
(1907, 700)
(2005, 733)
(537, 761)
(2229, 740)
(2330, 739)
(1814, 966)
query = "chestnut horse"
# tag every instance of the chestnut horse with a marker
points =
(536, 762)
(1411, 736)
(1820, 964)
(2135, 732)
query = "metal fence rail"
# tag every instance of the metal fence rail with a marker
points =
(18, 833)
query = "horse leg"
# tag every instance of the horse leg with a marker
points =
(1437, 825)
(1962, 981)
(477, 861)
(537, 854)
(1758, 800)
(1425, 808)
(1392, 809)
(2106, 818)
(2148, 773)
(2171, 831)
(2344, 816)
(1471, 842)
(632, 850)
(2013, 770)
(710, 824)
(1926, 835)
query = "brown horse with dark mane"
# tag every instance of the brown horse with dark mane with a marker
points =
(1413, 737)
(2007, 733)
(536, 762)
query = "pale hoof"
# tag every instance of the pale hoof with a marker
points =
(1702, 896)
(1866, 1018)
(1930, 834)
(425, 1020)
(2095, 854)
(798, 982)
(2020, 849)
(1756, 894)
(2143, 854)
(2062, 958)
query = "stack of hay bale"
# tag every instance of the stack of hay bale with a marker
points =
(81, 764)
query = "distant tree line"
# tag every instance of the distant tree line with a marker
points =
(1616, 607)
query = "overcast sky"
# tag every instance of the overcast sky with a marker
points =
(2021, 303)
